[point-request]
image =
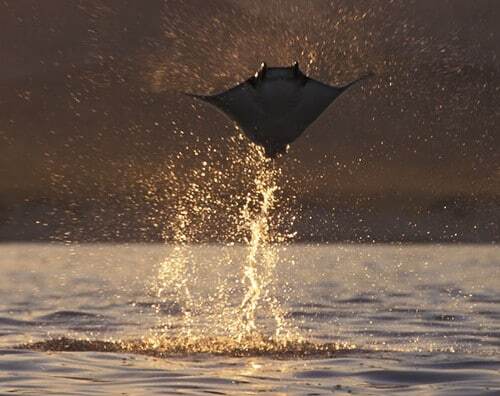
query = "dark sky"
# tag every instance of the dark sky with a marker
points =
(90, 90)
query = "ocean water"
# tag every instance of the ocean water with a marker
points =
(329, 319)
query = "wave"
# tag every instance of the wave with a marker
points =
(256, 345)
(64, 316)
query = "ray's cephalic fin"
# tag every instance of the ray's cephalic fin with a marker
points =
(259, 75)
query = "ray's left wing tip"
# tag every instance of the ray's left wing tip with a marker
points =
(191, 95)
(203, 98)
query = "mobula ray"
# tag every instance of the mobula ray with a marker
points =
(276, 105)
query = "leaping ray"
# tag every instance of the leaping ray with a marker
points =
(276, 105)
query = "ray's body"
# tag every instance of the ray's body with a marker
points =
(276, 105)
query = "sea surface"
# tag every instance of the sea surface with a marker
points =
(360, 319)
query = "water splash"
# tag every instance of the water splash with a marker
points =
(238, 201)
(262, 253)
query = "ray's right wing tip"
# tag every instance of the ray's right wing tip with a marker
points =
(368, 75)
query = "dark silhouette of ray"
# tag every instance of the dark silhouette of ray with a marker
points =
(276, 105)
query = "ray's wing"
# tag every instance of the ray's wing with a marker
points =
(330, 90)
(316, 97)
(238, 103)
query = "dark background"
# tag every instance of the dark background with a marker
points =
(89, 98)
